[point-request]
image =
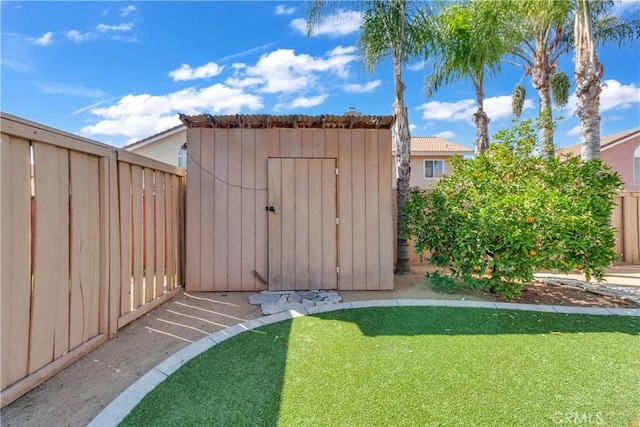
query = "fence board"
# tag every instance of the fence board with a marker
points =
(220, 210)
(170, 215)
(161, 242)
(275, 224)
(136, 235)
(329, 228)
(126, 241)
(193, 200)
(206, 193)
(179, 280)
(85, 244)
(50, 304)
(234, 215)
(149, 227)
(262, 246)
(631, 222)
(15, 241)
(316, 224)
(372, 213)
(301, 222)
(288, 213)
(385, 213)
(248, 210)
(359, 252)
(345, 199)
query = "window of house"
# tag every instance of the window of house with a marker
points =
(636, 166)
(182, 157)
(433, 169)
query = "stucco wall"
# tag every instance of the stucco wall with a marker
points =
(164, 150)
(620, 158)
(417, 171)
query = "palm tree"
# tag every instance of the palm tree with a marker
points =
(592, 24)
(536, 28)
(387, 31)
(543, 31)
(469, 45)
(588, 75)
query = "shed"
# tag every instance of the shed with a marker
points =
(289, 202)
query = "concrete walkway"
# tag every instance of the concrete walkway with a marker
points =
(117, 410)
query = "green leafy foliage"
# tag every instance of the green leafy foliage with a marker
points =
(560, 86)
(517, 99)
(508, 212)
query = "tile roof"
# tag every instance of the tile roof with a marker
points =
(434, 144)
(605, 141)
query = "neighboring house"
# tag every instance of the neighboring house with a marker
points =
(430, 159)
(621, 151)
(169, 146)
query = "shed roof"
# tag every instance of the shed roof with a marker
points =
(264, 121)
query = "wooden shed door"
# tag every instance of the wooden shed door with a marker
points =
(302, 224)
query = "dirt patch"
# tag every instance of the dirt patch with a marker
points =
(543, 293)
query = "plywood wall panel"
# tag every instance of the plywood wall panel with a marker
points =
(194, 200)
(207, 206)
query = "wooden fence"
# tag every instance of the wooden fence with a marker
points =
(625, 219)
(91, 238)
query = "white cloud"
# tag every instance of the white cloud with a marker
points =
(497, 107)
(614, 95)
(302, 102)
(284, 71)
(412, 127)
(574, 131)
(335, 25)
(185, 72)
(125, 11)
(417, 66)
(45, 40)
(446, 134)
(125, 26)
(137, 116)
(284, 10)
(361, 88)
(447, 111)
(77, 36)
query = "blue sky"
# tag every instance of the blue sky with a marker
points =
(117, 72)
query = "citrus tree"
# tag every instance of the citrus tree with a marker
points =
(510, 211)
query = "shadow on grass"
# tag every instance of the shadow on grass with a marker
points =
(409, 321)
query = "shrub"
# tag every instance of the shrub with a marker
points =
(508, 212)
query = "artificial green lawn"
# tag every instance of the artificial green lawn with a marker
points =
(411, 366)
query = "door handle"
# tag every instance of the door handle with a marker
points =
(270, 209)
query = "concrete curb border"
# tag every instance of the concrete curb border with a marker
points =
(120, 407)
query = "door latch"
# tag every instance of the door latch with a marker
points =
(270, 209)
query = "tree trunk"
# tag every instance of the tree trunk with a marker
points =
(588, 75)
(402, 138)
(545, 119)
(482, 122)
(541, 82)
